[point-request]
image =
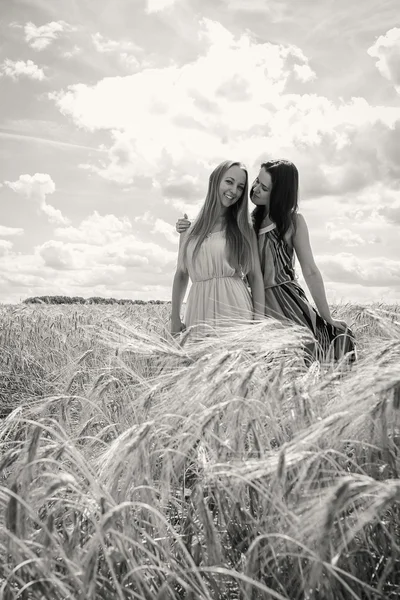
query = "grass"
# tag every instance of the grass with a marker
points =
(132, 467)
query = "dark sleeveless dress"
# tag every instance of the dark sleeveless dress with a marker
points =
(285, 299)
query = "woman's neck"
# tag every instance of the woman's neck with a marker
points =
(219, 223)
(266, 220)
(221, 218)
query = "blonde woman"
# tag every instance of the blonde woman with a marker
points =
(216, 253)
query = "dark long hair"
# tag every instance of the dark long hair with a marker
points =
(237, 225)
(283, 202)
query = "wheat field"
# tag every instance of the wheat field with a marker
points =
(136, 467)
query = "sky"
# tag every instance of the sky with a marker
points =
(113, 114)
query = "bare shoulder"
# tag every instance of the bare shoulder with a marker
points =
(299, 221)
(295, 224)
(300, 227)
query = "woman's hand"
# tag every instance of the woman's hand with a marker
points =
(339, 324)
(177, 326)
(182, 224)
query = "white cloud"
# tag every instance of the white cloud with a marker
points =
(19, 68)
(154, 6)
(57, 255)
(54, 214)
(230, 102)
(41, 37)
(10, 231)
(167, 230)
(73, 52)
(159, 226)
(5, 247)
(177, 186)
(349, 238)
(115, 237)
(24, 280)
(127, 251)
(126, 51)
(276, 9)
(339, 293)
(386, 50)
(304, 72)
(33, 186)
(370, 272)
(103, 44)
(129, 60)
(101, 256)
(214, 102)
(110, 242)
(96, 229)
(368, 204)
(390, 213)
(37, 187)
(345, 237)
(233, 102)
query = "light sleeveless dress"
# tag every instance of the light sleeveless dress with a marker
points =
(285, 298)
(218, 296)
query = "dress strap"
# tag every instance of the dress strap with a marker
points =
(269, 227)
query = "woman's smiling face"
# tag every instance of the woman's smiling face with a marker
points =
(232, 186)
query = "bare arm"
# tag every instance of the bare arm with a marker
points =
(179, 287)
(256, 282)
(311, 273)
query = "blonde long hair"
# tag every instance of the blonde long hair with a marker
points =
(238, 229)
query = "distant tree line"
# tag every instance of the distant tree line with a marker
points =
(93, 300)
